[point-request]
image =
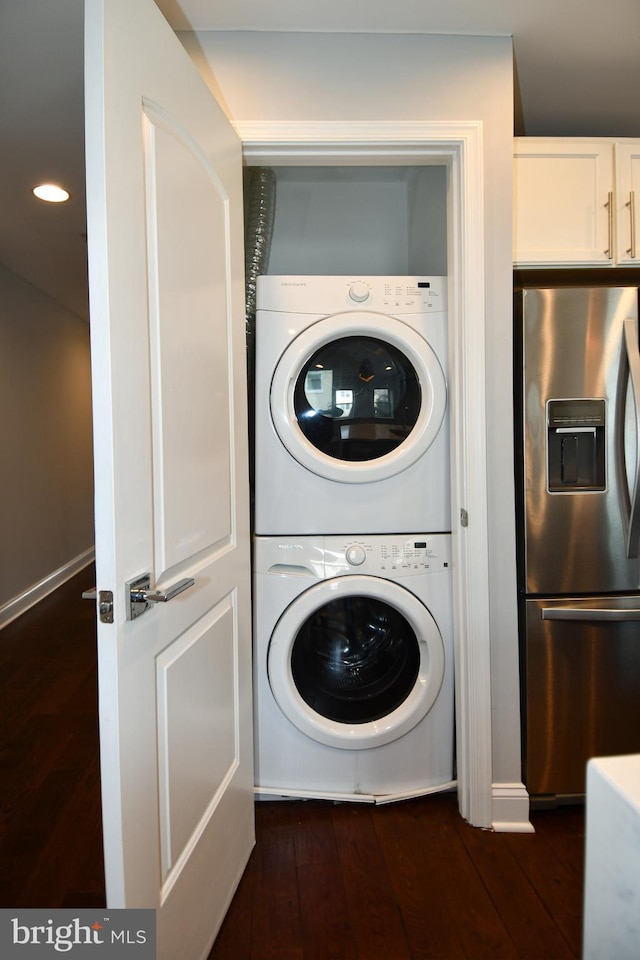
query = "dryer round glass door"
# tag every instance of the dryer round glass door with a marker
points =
(358, 397)
(356, 662)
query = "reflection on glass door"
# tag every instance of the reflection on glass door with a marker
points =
(355, 660)
(357, 398)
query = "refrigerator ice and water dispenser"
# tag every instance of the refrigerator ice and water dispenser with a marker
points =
(575, 445)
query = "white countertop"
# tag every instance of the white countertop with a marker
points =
(612, 864)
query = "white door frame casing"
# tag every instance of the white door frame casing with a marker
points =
(459, 147)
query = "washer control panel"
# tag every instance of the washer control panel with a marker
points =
(391, 555)
(320, 557)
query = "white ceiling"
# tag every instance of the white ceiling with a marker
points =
(576, 71)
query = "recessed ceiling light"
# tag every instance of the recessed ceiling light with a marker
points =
(50, 192)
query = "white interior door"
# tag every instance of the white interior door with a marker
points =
(167, 329)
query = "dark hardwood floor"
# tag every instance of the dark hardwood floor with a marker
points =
(325, 881)
(411, 880)
(50, 818)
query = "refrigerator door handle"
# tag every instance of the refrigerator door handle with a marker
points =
(590, 613)
(632, 525)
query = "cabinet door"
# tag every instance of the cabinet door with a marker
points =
(563, 202)
(627, 199)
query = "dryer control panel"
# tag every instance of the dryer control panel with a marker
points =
(326, 295)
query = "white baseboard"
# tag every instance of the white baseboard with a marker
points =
(510, 808)
(20, 604)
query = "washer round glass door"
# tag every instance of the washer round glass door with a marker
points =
(356, 662)
(358, 397)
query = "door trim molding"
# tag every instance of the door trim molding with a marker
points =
(459, 146)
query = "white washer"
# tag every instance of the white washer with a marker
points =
(351, 419)
(353, 666)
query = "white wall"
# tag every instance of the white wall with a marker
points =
(46, 481)
(321, 76)
(361, 220)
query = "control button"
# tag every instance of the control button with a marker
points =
(356, 555)
(359, 291)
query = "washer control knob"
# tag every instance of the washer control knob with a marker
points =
(356, 555)
(359, 291)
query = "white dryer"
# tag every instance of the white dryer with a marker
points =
(353, 666)
(351, 416)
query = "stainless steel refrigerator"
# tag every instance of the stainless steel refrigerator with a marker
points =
(578, 464)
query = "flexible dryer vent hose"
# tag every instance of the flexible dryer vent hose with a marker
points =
(260, 206)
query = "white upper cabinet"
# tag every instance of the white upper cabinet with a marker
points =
(627, 156)
(574, 202)
(562, 194)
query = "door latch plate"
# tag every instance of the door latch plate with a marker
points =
(105, 603)
(105, 606)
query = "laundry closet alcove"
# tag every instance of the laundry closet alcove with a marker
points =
(457, 147)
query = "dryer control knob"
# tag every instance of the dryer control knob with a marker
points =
(359, 291)
(356, 555)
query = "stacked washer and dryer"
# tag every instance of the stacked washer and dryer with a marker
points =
(353, 633)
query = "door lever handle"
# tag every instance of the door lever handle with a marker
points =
(161, 596)
(139, 596)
